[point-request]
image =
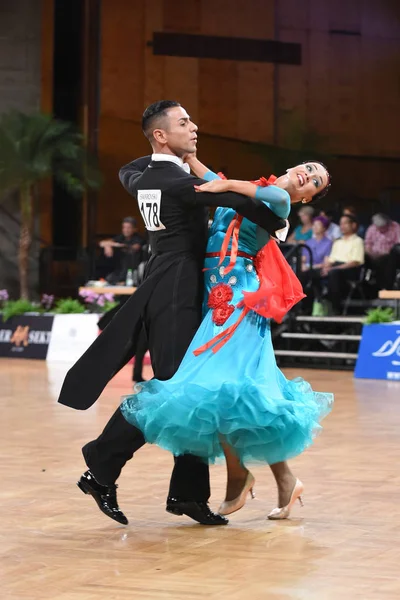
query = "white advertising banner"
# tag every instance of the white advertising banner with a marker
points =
(71, 336)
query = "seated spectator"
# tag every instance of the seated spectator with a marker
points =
(351, 211)
(333, 231)
(380, 247)
(320, 245)
(344, 262)
(303, 232)
(124, 251)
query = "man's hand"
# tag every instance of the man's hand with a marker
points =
(326, 267)
(108, 251)
(136, 247)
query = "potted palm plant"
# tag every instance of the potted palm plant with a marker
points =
(33, 148)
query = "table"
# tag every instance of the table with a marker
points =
(391, 295)
(117, 290)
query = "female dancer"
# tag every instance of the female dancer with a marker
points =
(228, 397)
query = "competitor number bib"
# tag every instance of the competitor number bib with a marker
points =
(150, 208)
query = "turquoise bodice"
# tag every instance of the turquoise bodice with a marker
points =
(251, 239)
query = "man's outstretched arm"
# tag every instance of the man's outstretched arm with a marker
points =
(251, 208)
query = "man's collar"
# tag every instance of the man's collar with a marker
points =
(171, 158)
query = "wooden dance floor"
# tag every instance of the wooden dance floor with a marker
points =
(56, 545)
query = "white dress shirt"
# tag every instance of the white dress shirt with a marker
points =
(171, 158)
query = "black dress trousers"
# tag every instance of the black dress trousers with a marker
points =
(171, 319)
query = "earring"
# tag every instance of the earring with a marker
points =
(304, 201)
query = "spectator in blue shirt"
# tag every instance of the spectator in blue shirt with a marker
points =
(320, 245)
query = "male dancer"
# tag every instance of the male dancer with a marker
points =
(169, 302)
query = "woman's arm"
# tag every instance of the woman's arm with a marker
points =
(196, 166)
(243, 187)
(276, 198)
(250, 208)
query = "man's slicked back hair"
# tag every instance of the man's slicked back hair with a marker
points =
(153, 113)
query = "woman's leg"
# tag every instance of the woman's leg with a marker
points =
(285, 480)
(237, 473)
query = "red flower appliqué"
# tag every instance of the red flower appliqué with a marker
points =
(222, 313)
(219, 295)
(218, 300)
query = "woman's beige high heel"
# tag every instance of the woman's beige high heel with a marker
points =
(283, 513)
(230, 506)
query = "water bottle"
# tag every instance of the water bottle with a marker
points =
(129, 278)
(135, 278)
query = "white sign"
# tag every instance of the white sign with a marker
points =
(150, 208)
(71, 336)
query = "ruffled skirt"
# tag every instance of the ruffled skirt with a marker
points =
(237, 395)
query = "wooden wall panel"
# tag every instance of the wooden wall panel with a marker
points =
(154, 66)
(292, 89)
(352, 178)
(381, 97)
(293, 14)
(345, 91)
(254, 19)
(371, 93)
(122, 63)
(238, 160)
(181, 83)
(381, 19)
(318, 77)
(338, 90)
(243, 18)
(255, 102)
(390, 68)
(318, 15)
(221, 18)
(345, 15)
(182, 17)
(218, 97)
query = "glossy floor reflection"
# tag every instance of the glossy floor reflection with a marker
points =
(55, 544)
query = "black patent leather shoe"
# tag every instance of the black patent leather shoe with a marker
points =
(104, 495)
(198, 511)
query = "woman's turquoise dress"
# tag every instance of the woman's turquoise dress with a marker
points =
(238, 393)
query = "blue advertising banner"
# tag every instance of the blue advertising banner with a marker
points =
(379, 352)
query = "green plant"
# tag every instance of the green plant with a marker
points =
(108, 306)
(33, 148)
(14, 308)
(68, 306)
(379, 315)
